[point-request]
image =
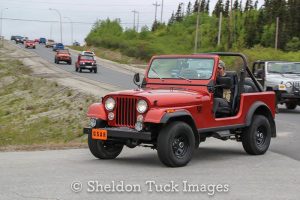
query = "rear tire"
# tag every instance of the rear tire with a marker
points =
(104, 149)
(176, 144)
(291, 106)
(257, 137)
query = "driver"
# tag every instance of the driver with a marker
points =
(221, 92)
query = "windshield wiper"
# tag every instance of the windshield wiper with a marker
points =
(183, 78)
(156, 74)
(275, 72)
(291, 73)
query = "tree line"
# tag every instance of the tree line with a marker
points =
(244, 26)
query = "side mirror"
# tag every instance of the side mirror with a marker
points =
(224, 82)
(136, 79)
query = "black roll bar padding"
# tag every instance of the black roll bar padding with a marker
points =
(245, 66)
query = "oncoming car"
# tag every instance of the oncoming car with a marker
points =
(86, 62)
(63, 55)
(176, 107)
(283, 78)
(29, 44)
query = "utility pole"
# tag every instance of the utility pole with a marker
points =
(220, 29)
(138, 21)
(162, 10)
(72, 30)
(1, 15)
(197, 28)
(276, 37)
(134, 12)
(136, 28)
(156, 5)
(59, 22)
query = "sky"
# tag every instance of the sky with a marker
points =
(86, 12)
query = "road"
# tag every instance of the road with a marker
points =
(49, 174)
(105, 73)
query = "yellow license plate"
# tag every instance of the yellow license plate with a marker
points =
(98, 134)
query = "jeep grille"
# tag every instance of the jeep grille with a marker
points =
(126, 111)
(297, 84)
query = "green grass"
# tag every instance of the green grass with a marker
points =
(36, 111)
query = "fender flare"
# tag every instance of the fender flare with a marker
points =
(263, 109)
(184, 116)
(96, 110)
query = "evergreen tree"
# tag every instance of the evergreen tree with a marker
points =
(256, 4)
(202, 6)
(189, 9)
(207, 7)
(172, 19)
(178, 14)
(226, 9)
(248, 5)
(196, 6)
(219, 7)
(236, 5)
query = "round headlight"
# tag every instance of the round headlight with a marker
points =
(142, 106)
(288, 84)
(110, 104)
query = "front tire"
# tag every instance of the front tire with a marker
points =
(104, 149)
(176, 144)
(257, 137)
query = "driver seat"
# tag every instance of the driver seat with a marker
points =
(223, 108)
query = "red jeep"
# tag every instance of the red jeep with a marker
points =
(63, 55)
(29, 44)
(176, 107)
(86, 62)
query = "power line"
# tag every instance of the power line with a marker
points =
(51, 21)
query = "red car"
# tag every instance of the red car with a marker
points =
(37, 40)
(29, 44)
(63, 55)
(176, 107)
(86, 62)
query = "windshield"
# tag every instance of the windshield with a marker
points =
(284, 68)
(63, 51)
(87, 58)
(181, 68)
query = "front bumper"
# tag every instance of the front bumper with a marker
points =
(88, 66)
(64, 59)
(123, 133)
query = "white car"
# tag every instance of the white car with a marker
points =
(87, 53)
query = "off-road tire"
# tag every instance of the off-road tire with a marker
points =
(169, 144)
(291, 106)
(257, 137)
(104, 149)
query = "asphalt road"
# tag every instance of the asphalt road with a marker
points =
(105, 73)
(49, 174)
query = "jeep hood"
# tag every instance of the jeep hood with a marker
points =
(284, 77)
(165, 97)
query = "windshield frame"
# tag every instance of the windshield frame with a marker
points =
(178, 78)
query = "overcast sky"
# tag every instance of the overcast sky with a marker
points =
(87, 11)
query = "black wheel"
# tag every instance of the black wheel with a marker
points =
(95, 71)
(104, 149)
(55, 61)
(257, 137)
(291, 106)
(70, 62)
(76, 69)
(91, 70)
(176, 144)
(80, 70)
